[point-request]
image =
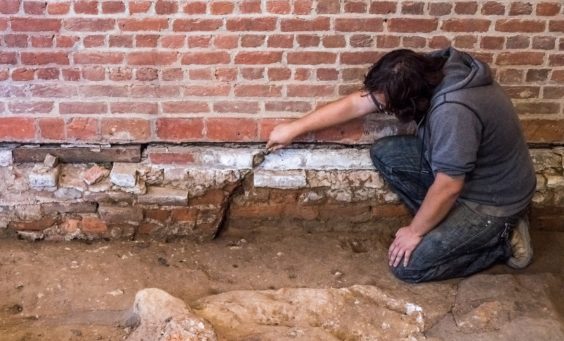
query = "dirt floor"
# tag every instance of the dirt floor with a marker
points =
(80, 291)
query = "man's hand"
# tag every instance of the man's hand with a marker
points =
(281, 136)
(403, 245)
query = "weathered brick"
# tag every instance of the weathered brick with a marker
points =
(93, 225)
(164, 196)
(43, 176)
(94, 174)
(35, 225)
(117, 214)
(69, 207)
(80, 154)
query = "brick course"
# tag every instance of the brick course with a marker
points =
(199, 71)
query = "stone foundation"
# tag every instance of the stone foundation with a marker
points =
(163, 192)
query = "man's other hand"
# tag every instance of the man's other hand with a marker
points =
(403, 245)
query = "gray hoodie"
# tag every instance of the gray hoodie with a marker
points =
(472, 130)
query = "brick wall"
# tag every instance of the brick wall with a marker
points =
(145, 71)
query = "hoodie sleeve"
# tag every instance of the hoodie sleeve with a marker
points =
(455, 135)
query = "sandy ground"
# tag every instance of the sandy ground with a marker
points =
(80, 291)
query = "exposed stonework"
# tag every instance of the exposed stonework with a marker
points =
(183, 191)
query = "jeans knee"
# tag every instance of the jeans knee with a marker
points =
(408, 275)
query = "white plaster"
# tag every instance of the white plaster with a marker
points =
(274, 179)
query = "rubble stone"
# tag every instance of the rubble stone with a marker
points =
(164, 196)
(124, 174)
(42, 177)
(5, 157)
(158, 316)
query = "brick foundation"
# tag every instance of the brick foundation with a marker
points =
(189, 191)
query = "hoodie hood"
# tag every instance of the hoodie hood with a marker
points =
(461, 71)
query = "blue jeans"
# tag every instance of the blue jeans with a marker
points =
(465, 241)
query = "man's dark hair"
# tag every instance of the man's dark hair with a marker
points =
(407, 79)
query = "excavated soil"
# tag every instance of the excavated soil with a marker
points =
(80, 291)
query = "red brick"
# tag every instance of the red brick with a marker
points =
(511, 76)
(121, 41)
(327, 74)
(537, 75)
(349, 132)
(82, 128)
(412, 7)
(329, 7)
(383, 7)
(195, 7)
(111, 7)
(71, 74)
(236, 107)
(148, 24)
(199, 41)
(258, 90)
(180, 129)
(266, 125)
(104, 90)
(361, 40)
(10, 6)
(303, 7)
(86, 7)
(184, 214)
(520, 58)
(98, 58)
(288, 106)
(206, 90)
(94, 41)
(14, 40)
(94, 73)
(58, 8)
(92, 225)
(160, 215)
(355, 7)
(360, 57)
(221, 7)
(42, 90)
(464, 42)
(282, 41)
(251, 24)
(192, 25)
(556, 60)
(362, 25)
(51, 128)
(231, 129)
(154, 91)
(16, 129)
(66, 41)
(205, 58)
(252, 73)
(133, 108)
(334, 41)
(258, 57)
(311, 58)
(493, 8)
(469, 7)
(521, 92)
(30, 107)
(519, 25)
(252, 40)
(466, 25)
(89, 25)
(226, 42)
(35, 25)
(520, 8)
(543, 131)
(125, 129)
(553, 92)
(35, 225)
(440, 8)
(537, 108)
(139, 6)
(82, 108)
(387, 41)
(310, 90)
(556, 26)
(152, 58)
(147, 40)
(412, 25)
(35, 7)
(23, 74)
(492, 43)
(8, 58)
(41, 58)
(166, 7)
(42, 41)
(302, 74)
(182, 107)
(278, 6)
(413, 42)
(48, 73)
(147, 74)
(548, 8)
(279, 74)
(121, 74)
(174, 74)
(544, 43)
(317, 24)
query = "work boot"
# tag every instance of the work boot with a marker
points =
(521, 249)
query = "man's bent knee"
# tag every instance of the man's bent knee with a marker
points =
(408, 275)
